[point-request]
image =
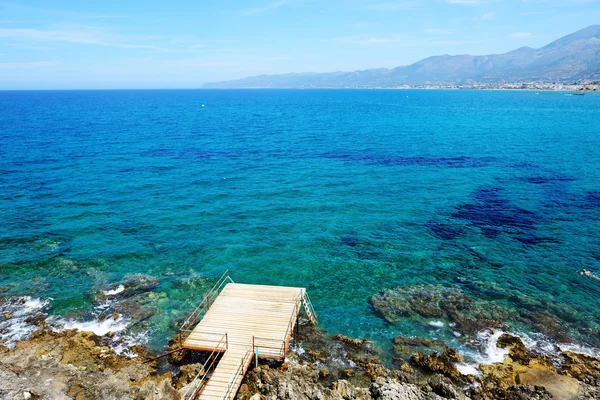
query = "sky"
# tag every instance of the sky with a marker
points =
(68, 44)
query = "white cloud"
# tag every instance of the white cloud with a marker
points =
(488, 16)
(77, 35)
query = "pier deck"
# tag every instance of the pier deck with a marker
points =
(240, 322)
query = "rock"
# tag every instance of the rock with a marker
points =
(442, 363)
(8, 316)
(471, 326)
(559, 386)
(348, 373)
(187, 373)
(357, 344)
(132, 285)
(26, 395)
(500, 376)
(443, 387)
(349, 392)
(582, 367)
(516, 349)
(318, 355)
(386, 389)
(527, 392)
(404, 346)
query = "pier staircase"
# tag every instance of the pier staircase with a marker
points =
(238, 323)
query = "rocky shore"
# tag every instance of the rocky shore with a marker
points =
(42, 359)
(80, 365)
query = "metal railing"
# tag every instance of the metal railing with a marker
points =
(290, 327)
(310, 311)
(269, 348)
(207, 301)
(232, 385)
(199, 382)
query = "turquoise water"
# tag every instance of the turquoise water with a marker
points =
(345, 193)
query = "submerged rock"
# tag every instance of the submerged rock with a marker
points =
(129, 287)
(404, 346)
(469, 315)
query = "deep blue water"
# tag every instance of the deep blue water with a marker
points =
(343, 192)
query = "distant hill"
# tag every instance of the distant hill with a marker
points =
(574, 57)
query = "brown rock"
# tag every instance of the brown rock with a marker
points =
(187, 373)
(442, 363)
(516, 349)
(582, 367)
(405, 346)
(356, 343)
(348, 373)
(318, 355)
(559, 386)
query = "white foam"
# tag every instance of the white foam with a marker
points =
(121, 340)
(539, 342)
(100, 328)
(296, 348)
(21, 308)
(114, 292)
(491, 353)
(121, 344)
(437, 324)
(590, 351)
(468, 369)
(487, 351)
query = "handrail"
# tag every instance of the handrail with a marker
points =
(220, 346)
(196, 388)
(204, 305)
(269, 350)
(310, 309)
(288, 332)
(246, 358)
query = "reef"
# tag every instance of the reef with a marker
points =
(467, 314)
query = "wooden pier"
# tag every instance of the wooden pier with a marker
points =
(238, 322)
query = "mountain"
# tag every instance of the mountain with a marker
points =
(574, 57)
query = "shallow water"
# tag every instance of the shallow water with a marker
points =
(342, 192)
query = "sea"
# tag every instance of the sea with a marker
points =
(348, 193)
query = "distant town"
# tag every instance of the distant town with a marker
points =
(574, 87)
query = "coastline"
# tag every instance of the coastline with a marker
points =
(80, 365)
(114, 362)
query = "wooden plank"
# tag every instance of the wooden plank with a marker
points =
(245, 311)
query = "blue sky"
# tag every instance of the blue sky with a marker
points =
(182, 44)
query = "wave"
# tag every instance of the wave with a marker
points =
(18, 316)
